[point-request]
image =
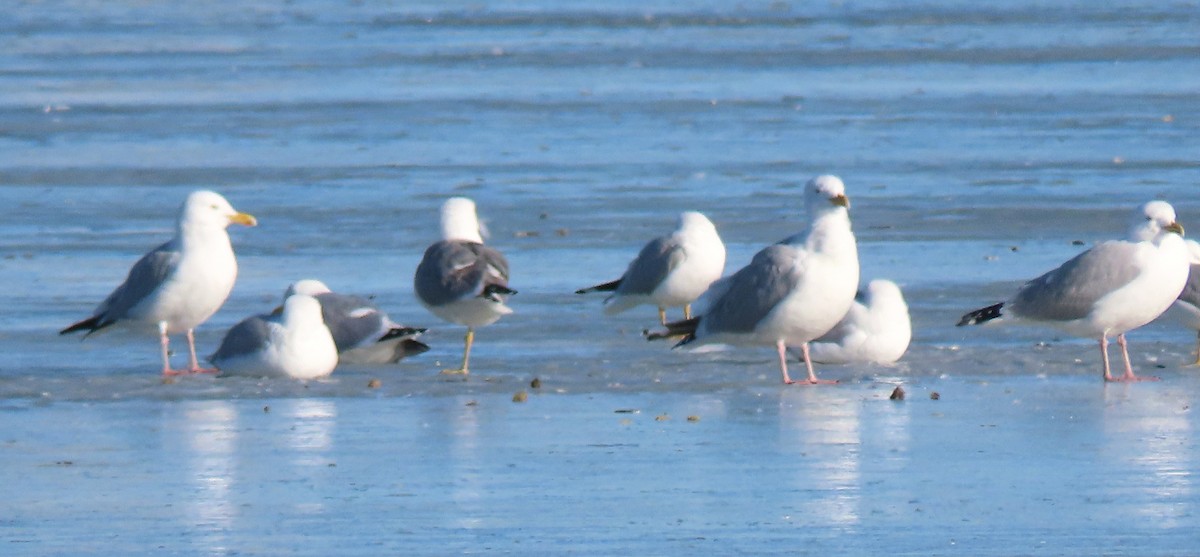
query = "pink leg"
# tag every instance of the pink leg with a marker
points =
(195, 363)
(1104, 358)
(812, 377)
(1129, 376)
(782, 349)
(166, 351)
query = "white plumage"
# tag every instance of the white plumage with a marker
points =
(180, 284)
(877, 329)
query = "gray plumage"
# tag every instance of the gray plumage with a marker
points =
(1070, 292)
(351, 319)
(452, 270)
(651, 267)
(144, 277)
(745, 298)
(1191, 290)
(247, 337)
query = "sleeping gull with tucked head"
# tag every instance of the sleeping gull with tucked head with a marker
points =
(791, 292)
(293, 343)
(670, 271)
(363, 333)
(876, 330)
(179, 284)
(459, 279)
(1110, 289)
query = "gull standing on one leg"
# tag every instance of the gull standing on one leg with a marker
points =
(670, 271)
(180, 284)
(1111, 289)
(791, 292)
(459, 279)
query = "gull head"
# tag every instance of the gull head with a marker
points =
(307, 287)
(825, 192)
(692, 220)
(208, 209)
(302, 310)
(1154, 219)
(885, 292)
(459, 221)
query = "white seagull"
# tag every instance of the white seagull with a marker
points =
(791, 292)
(876, 330)
(180, 284)
(1110, 289)
(670, 271)
(291, 343)
(364, 334)
(459, 279)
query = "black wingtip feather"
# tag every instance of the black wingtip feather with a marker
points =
(91, 325)
(494, 291)
(685, 328)
(397, 332)
(981, 315)
(606, 287)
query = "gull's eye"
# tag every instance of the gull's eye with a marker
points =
(214, 206)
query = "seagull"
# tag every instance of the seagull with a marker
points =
(670, 271)
(791, 292)
(180, 284)
(291, 343)
(876, 330)
(1110, 289)
(1188, 303)
(364, 334)
(459, 279)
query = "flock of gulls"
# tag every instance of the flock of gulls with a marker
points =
(799, 296)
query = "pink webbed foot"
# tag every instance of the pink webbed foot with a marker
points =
(1130, 378)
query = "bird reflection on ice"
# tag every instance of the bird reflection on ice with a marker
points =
(829, 432)
(1153, 448)
(310, 437)
(210, 437)
(825, 435)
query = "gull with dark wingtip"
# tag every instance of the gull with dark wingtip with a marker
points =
(1110, 289)
(670, 271)
(180, 284)
(791, 292)
(459, 279)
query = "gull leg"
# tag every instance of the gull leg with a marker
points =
(464, 370)
(662, 316)
(812, 377)
(687, 311)
(165, 343)
(1104, 358)
(782, 349)
(1129, 376)
(195, 363)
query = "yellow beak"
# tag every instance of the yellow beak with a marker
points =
(841, 201)
(244, 219)
(1174, 227)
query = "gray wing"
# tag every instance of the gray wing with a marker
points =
(651, 266)
(1071, 291)
(247, 337)
(146, 275)
(1191, 291)
(753, 291)
(352, 320)
(453, 269)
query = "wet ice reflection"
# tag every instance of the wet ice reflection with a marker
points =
(1151, 445)
(825, 436)
(209, 435)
